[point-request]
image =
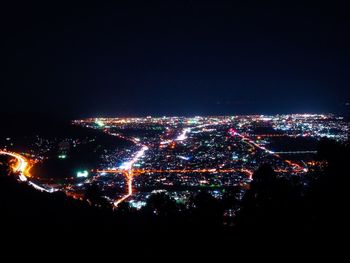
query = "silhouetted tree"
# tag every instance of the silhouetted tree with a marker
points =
(124, 209)
(229, 199)
(270, 204)
(206, 210)
(327, 200)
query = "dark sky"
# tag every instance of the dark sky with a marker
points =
(174, 57)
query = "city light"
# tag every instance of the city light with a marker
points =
(22, 167)
(100, 123)
(82, 174)
(207, 152)
(183, 135)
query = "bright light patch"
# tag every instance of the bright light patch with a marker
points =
(83, 174)
(137, 204)
(99, 123)
(128, 165)
(22, 178)
(235, 156)
(125, 165)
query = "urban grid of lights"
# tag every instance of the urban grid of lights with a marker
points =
(198, 151)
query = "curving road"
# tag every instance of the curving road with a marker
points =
(22, 167)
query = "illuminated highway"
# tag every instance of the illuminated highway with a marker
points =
(296, 167)
(166, 150)
(126, 168)
(134, 172)
(22, 167)
(129, 177)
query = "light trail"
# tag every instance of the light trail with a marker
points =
(22, 167)
(42, 189)
(126, 167)
(127, 170)
(130, 191)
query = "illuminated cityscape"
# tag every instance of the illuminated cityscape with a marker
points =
(174, 127)
(180, 155)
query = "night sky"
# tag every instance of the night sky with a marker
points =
(174, 57)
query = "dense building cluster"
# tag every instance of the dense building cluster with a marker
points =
(181, 155)
(178, 155)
